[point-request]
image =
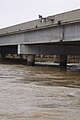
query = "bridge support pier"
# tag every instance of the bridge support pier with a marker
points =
(3, 56)
(63, 61)
(21, 56)
(30, 60)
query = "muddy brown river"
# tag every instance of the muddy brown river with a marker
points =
(39, 92)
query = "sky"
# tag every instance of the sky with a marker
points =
(18, 11)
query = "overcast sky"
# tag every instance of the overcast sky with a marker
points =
(17, 11)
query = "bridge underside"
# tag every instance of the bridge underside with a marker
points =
(62, 48)
(12, 49)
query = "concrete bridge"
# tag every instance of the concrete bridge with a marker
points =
(54, 35)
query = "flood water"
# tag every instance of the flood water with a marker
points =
(39, 92)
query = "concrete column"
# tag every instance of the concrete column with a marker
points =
(63, 61)
(30, 60)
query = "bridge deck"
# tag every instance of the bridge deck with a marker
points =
(50, 21)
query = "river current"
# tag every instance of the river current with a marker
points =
(39, 92)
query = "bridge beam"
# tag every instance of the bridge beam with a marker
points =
(63, 61)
